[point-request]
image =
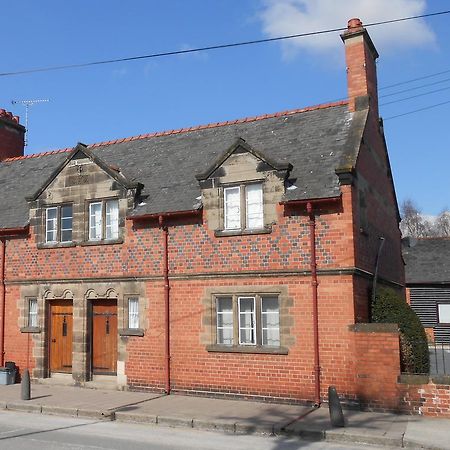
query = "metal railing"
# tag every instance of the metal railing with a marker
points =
(439, 358)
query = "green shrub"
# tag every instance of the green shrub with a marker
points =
(390, 307)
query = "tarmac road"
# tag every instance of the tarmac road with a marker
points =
(34, 431)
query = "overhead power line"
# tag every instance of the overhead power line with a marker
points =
(414, 96)
(415, 79)
(417, 110)
(414, 88)
(212, 47)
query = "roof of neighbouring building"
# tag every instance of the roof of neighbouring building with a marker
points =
(316, 141)
(427, 260)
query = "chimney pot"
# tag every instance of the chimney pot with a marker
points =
(354, 23)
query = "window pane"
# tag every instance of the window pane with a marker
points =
(232, 208)
(66, 223)
(133, 312)
(254, 203)
(95, 221)
(112, 219)
(270, 317)
(247, 328)
(224, 308)
(51, 230)
(444, 313)
(32, 312)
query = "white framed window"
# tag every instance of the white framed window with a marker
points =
(444, 313)
(104, 220)
(270, 321)
(58, 223)
(232, 208)
(243, 207)
(95, 221)
(248, 320)
(66, 223)
(224, 308)
(133, 312)
(254, 206)
(32, 312)
(51, 224)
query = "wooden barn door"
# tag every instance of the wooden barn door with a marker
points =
(104, 337)
(61, 326)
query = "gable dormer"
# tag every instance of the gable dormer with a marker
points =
(241, 189)
(84, 201)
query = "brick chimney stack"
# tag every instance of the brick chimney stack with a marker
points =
(360, 57)
(12, 136)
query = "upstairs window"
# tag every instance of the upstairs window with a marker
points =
(243, 207)
(444, 313)
(58, 224)
(104, 220)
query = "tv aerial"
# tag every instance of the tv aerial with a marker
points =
(28, 104)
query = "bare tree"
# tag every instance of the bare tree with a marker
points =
(442, 224)
(413, 224)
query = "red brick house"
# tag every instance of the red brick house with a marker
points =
(234, 258)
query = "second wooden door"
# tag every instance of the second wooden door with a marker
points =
(104, 337)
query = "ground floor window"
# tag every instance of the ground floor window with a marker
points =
(248, 320)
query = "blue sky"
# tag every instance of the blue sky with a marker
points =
(112, 101)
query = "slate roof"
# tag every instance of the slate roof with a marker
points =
(316, 141)
(427, 260)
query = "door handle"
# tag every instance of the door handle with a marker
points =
(53, 340)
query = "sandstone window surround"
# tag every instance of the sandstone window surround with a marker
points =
(104, 220)
(247, 323)
(58, 224)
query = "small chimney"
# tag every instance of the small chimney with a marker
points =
(360, 57)
(12, 136)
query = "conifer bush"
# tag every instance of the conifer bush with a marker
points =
(390, 307)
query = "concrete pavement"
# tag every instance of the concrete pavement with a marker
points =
(230, 416)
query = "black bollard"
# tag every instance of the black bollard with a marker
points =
(25, 386)
(334, 404)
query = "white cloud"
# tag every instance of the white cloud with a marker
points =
(284, 17)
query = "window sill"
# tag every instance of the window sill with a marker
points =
(131, 332)
(30, 330)
(247, 349)
(102, 242)
(56, 244)
(222, 233)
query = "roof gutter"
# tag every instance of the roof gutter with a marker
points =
(142, 217)
(315, 201)
(6, 232)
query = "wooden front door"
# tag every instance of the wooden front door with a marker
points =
(104, 337)
(61, 325)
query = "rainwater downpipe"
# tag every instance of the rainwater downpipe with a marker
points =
(2, 301)
(314, 285)
(166, 302)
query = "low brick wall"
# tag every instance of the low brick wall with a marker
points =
(422, 395)
(379, 385)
